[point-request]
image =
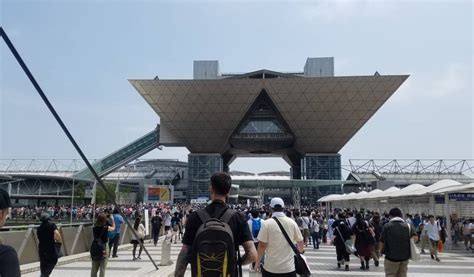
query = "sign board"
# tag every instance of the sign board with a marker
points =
(461, 196)
(439, 199)
(199, 201)
(158, 194)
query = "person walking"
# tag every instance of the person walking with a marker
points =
(364, 241)
(305, 222)
(395, 244)
(279, 256)
(466, 234)
(99, 249)
(433, 229)
(342, 233)
(167, 221)
(314, 231)
(330, 229)
(48, 235)
(140, 230)
(9, 264)
(156, 221)
(219, 189)
(114, 239)
(255, 224)
(377, 228)
(175, 227)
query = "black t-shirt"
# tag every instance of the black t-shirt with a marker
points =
(156, 221)
(237, 223)
(9, 265)
(100, 232)
(45, 234)
(175, 221)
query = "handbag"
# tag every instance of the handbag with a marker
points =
(301, 265)
(347, 243)
(58, 248)
(414, 252)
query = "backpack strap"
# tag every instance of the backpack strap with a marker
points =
(203, 215)
(227, 215)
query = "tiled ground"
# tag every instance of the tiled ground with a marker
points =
(322, 261)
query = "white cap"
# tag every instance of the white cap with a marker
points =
(277, 201)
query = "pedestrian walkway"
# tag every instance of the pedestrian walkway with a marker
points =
(322, 262)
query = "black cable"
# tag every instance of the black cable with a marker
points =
(109, 195)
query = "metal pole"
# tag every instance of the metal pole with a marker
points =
(94, 191)
(66, 131)
(447, 212)
(72, 200)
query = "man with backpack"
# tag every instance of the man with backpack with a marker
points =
(212, 236)
(9, 264)
(255, 224)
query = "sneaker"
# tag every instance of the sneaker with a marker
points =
(115, 256)
(139, 258)
(338, 265)
(134, 259)
(438, 260)
(423, 252)
(376, 263)
(432, 257)
(347, 267)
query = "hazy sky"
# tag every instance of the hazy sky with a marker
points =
(83, 52)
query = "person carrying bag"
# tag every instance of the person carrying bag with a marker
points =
(301, 265)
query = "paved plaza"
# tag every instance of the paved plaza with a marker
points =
(322, 262)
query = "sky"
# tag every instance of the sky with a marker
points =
(82, 53)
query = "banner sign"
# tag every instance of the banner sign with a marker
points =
(461, 196)
(439, 199)
(162, 194)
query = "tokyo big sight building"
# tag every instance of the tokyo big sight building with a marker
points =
(305, 117)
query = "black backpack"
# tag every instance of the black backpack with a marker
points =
(213, 251)
(98, 247)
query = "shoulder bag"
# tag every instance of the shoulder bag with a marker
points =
(347, 243)
(414, 252)
(301, 266)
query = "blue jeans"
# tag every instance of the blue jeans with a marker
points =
(315, 237)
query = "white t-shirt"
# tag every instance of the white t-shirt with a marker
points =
(432, 230)
(167, 220)
(351, 220)
(306, 222)
(278, 254)
(471, 227)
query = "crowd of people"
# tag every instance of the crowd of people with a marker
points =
(271, 235)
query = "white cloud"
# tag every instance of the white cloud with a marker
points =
(453, 81)
(341, 10)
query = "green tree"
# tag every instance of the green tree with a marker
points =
(101, 197)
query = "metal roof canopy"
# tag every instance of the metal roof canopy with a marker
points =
(289, 183)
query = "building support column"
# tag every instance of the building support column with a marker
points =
(201, 166)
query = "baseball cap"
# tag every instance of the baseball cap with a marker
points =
(277, 201)
(4, 200)
(44, 217)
